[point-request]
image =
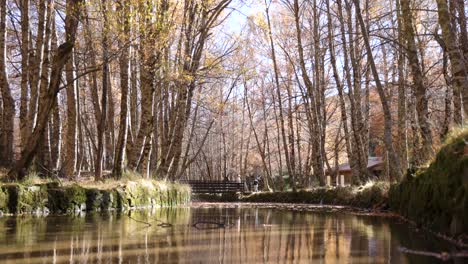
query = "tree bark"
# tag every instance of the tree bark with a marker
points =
(402, 115)
(419, 88)
(59, 59)
(457, 63)
(395, 167)
(24, 5)
(101, 125)
(339, 85)
(6, 132)
(36, 64)
(123, 10)
(69, 163)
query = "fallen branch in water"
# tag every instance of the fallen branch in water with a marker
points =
(444, 256)
(211, 225)
(161, 223)
(139, 221)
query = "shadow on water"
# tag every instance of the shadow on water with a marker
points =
(249, 235)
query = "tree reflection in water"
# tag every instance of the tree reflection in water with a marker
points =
(253, 235)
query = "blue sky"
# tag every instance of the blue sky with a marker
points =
(242, 10)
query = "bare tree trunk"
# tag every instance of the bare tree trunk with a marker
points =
(110, 126)
(123, 9)
(395, 167)
(6, 132)
(55, 135)
(139, 149)
(419, 88)
(291, 139)
(37, 64)
(280, 104)
(402, 116)
(24, 5)
(448, 113)
(43, 155)
(339, 85)
(101, 125)
(313, 110)
(92, 61)
(354, 160)
(59, 59)
(461, 6)
(69, 163)
(261, 150)
(458, 66)
(354, 95)
(278, 143)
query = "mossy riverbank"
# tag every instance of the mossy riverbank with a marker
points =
(370, 196)
(47, 198)
(437, 197)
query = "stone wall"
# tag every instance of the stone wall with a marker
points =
(53, 198)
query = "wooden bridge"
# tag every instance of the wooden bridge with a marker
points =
(201, 186)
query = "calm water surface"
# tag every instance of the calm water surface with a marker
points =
(252, 234)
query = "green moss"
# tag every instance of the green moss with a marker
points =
(3, 201)
(148, 193)
(32, 199)
(437, 197)
(94, 200)
(134, 194)
(17, 198)
(23, 198)
(109, 199)
(372, 195)
(67, 199)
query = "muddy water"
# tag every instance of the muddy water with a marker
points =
(249, 235)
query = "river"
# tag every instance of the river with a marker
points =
(214, 233)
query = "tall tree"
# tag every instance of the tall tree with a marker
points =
(7, 125)
(69, 163)
(123, 9)
(24, 5)
(395, 167)
(59, 60)
(280, 103)
(101, 125)
(418, 80)
(457, 62)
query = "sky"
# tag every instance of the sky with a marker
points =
(241, 10)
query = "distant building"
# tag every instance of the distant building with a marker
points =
(375, 166)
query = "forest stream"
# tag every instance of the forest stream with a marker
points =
(215, 233)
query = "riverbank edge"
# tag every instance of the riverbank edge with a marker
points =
(370, 196)
(42, 199)
(360, 208)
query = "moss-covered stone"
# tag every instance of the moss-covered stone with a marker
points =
(437, 197)
(94, 200)
(17, 198)
(3, 201)
(32, 199)
(369, 196)
(21, 199)
(67, 199)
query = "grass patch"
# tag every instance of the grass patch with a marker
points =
(372, 195)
